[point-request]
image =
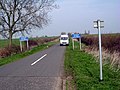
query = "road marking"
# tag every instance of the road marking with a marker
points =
(38, 60)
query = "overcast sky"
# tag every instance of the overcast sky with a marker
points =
(78, 16)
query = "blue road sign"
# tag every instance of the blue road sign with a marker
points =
(76, 36)
(23, 38)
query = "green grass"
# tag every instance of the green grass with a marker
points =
(85, 71)
(67, 85)
(5, 42)
(15, 57)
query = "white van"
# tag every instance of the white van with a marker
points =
(64, 40)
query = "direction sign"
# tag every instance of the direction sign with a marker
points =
(23, 38)
(76, 36)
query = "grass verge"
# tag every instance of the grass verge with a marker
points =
(15, 57)
(85, 71)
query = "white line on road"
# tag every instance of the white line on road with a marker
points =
(38, 60)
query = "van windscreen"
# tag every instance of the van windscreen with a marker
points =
(64, 38)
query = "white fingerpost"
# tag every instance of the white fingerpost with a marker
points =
(98, 24)
(100, 50)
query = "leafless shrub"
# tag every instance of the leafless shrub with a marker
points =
(4, 53)
(109, 42)
(7, 51)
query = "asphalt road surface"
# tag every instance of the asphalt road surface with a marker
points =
(40, 71)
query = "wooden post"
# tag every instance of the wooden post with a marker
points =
(80, 42)
(21, 46)
(73, 43)
(27, 45)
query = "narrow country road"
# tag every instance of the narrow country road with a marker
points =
(40, 71)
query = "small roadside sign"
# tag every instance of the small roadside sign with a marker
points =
(76, 36)
(23, 38)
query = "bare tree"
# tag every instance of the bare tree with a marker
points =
(23, 15)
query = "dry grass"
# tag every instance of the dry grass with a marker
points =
(70, 85)
(115, 59)
(108, 58)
